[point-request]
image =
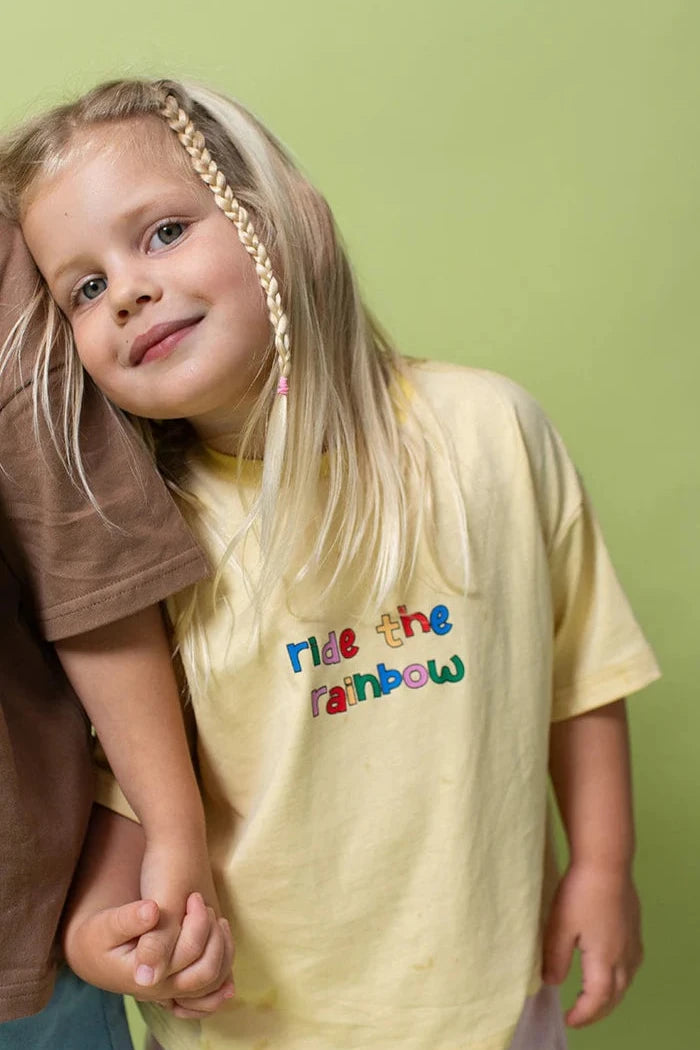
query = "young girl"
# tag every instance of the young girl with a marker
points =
(413, 616)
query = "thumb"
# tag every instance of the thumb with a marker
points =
(557, 951)
(153, 953)
(597, 995)
(128, 921)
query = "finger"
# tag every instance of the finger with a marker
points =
(204, 1004)
(621, 982)
(124, 924)
(229, 946)
(557, 953)
(194, 933)
(597, 997)
(206, 974)
(152, 956)
(634, 960)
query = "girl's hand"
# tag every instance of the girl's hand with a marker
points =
(204, 947)
(102, 947)
(596, 911)
(174, 868)
(101, 933)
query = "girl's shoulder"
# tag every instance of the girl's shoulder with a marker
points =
(466, 398)
(498, 430)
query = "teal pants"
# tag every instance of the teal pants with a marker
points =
(78, 1017)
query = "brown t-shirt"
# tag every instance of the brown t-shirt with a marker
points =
(63, 570)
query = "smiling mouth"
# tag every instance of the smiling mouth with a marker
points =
(159, 340)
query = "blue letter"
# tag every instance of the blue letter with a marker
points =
(294, 648)
(438, 620)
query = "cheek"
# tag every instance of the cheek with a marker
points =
(92, 346)
(84, 345)
(244, 302)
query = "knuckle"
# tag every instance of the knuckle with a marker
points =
(184, 1014)
(199, 1006)
(193, 983)
(189, 947)
(193, 939)
(601, 988)
(151, 949)
(121, 921)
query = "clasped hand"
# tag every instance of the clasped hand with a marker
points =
(196, 979)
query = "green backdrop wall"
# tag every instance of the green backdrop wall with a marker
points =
(517, 180)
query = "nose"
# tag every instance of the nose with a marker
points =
(130, 291)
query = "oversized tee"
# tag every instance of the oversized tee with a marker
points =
(375, 783)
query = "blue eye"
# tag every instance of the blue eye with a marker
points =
(168, 233)
(92, 288)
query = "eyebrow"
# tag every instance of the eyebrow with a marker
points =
(72, 264)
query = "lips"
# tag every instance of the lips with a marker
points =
(159, 333)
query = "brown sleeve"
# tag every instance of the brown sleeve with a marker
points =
(85, 568)
(46, 788)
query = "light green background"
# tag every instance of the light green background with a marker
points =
(518, 183)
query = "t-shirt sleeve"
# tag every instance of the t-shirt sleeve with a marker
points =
(600, 652)
(86, 566)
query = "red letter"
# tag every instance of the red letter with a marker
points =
(336, 703)
(406, 621)
(348, 649)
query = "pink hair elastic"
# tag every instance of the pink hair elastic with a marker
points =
(283, 386)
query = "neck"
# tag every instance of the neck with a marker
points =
(229, 441)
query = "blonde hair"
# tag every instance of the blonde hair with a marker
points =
(345, 395)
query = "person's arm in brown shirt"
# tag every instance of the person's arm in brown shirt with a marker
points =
(123, 674)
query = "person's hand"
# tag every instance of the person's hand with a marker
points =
(204, 947)
(101, 949)
(596, 911)
(172, 870)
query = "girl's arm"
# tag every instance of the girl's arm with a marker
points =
(102, 919)
(596, 908)
(123, 674)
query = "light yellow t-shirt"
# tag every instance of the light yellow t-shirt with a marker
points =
(375, 788)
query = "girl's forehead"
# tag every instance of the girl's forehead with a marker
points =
(148, 139)
(144, 142)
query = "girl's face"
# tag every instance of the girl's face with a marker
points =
(168, 316)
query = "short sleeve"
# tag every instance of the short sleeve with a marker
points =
(600, 653)
(87, 567)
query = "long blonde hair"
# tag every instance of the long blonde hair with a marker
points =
(345, 394)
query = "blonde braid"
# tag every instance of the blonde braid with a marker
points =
(206, 167)
(276, 437)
